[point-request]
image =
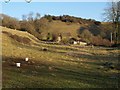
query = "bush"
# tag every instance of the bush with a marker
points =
(10, 22)
(65, 40)
(99, 41)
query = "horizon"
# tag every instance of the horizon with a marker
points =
(86, 10)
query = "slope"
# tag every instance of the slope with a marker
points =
(56, 66)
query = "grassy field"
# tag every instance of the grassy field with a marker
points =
(57, 66)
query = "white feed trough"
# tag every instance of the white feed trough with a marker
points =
(18, 64)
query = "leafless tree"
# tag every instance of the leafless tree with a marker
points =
(24, 17)
(112, 14)
(30, 16)
(37, 15)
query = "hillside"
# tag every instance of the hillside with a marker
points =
(11, 37)
(62, 27)
(91, 31)
(56, 65)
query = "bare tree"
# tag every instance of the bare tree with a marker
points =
(30, 16)
(112, 14)
(37, 15)
(24, 17)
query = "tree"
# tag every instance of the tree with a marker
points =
(10, 22)
(24, 17)
(49, 17)
(30, 16)
(43, 24)
(112, 14)
(37, 25)
(37, 16)
(87, 35)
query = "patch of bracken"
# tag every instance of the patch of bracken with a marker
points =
(20, 39)
(7, 33)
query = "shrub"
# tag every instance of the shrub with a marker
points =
(65, 40)
(10, 22)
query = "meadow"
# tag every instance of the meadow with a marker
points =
(54, 65)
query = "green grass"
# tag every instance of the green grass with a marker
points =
(61, 66)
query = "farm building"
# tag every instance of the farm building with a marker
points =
(77, 42)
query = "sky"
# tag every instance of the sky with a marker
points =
(88, 10)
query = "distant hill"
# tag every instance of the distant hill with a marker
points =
(91, 31)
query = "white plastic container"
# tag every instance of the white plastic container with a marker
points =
(26, 59)
(18, 64)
